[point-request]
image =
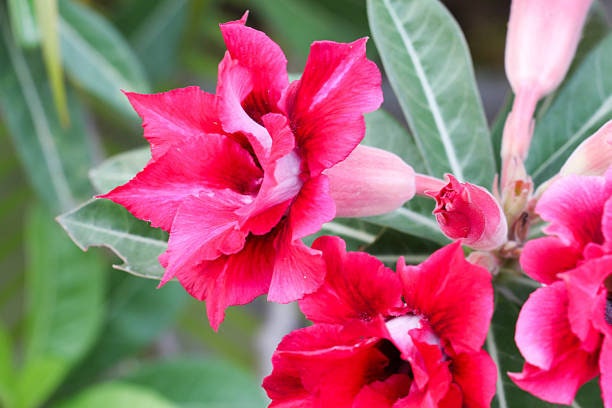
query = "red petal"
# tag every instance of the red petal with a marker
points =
(357, 286)
(264, 60)
(327, 104)
(197, 168)
(476, 375)
(312, 207)
(605, 367)
(324, 365)
(574, 206)
(543, 258)
(453, 294)
(175, 116)
(298, 270)
(234, 279)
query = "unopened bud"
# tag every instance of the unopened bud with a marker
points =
(470, 213)
(370, 181)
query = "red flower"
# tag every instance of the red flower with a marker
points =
(470, 213)
(564, 330)
(370, 348)
(236, 177)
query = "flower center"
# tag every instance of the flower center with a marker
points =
(608, 311)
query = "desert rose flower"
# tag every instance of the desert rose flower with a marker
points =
(237, 177)
(381, 339)
(470, 213)
(564, 330)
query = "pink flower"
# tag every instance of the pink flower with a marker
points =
(564, 330)
(237, 177)
(382, 339)
(470, 213)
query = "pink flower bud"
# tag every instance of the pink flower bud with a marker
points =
(469, 212)
(541, 42)
(593, 156)
(370, 181)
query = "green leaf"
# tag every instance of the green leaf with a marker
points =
(119, 395)
(64, 307)
(136, 315)
(119, 169)
(55, 158)
(23, 23)
(198, 382)
(103, 223)
(156, 37)
(6, 369)
(47, 16)
(581, 106)
(429, 67)
(97, 57)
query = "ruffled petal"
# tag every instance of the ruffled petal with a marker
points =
(574, 206)
(327, 104)
(175, 116)
(264, 60)
(605, 367)
(312, 207)
(230, 280)
(543, 258)
(454, 295)
(197, 168)
(476, 375)
(298, 270)
(324, 365)
(357, 286)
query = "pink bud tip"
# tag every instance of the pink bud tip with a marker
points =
(470, 213)
(593, 156)
(370, 181)
(541, 42)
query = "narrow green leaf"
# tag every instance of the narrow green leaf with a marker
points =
(56, 159)
(581, 106)
(97, 57)
(104, 223)
(156, 37)
(117, 394)
(23, 23)
(47, 16)
(429, 67)
(198, 382)
(65, 291)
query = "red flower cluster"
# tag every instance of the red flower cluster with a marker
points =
(564, 330)
(380, 339)
(237, 177)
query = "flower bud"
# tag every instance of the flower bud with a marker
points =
(593, 156)
(541, 42)
(470, 213)
(370, 181)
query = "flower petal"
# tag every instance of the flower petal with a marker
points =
(199, 167)
(229, 280)
(175, 116)
(312, 207)
(298, 270)
(357, 286)
(574, 206)
(327, 104)
(476, 375)
(264, 60)
(543, 258)
(605, 367)
(453, 294)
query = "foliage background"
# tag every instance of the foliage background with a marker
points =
(74, 331)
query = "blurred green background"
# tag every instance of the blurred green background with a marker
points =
(73, 330)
